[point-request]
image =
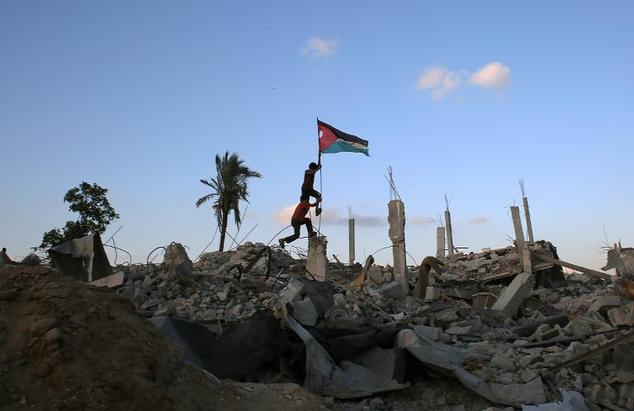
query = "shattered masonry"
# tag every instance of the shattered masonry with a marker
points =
(487, 334)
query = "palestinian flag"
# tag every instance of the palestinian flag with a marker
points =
(332, 140)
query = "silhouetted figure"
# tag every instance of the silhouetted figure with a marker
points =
(299, 218)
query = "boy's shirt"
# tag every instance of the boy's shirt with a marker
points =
(301, 210)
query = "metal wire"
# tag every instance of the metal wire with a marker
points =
(392, 246)
(147, 261)
(120, 249)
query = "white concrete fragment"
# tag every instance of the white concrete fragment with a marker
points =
(514, 295)
(305, 312)
(293, 291)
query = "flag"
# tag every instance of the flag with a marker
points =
(332, 140)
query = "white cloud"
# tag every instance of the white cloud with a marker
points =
(421, 220)
(479, 220)
(331, 216)
(493, 75)
(284, 215)
(439, 81)
(318, 47)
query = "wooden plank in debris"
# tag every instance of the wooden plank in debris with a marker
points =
(111, 281)
(575, 267)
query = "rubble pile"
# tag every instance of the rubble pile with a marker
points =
(68, 345)
(491, 330)
(221, 287)
(505, 331)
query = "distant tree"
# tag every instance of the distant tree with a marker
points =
(229, 187)
(95, 213)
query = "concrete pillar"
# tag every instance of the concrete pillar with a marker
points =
(529, 225)
(351, 240)
(396, 218)
(519, 233)
(440, 242)
(450, 248)
(317, 260)
(517, 226)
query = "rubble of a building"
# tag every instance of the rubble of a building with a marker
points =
(68, 345)
(486, 328)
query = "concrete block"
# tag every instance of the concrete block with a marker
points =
(604, 303)
(623, 315)
(433, 333)
(305, 312)
(293, 291)
(391, 290)
(514, 295)
(111, 281)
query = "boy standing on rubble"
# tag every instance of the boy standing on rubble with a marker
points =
(309, 181)
(299, 218)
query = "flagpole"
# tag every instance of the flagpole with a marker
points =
(318, 148)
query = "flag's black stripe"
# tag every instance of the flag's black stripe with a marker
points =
(344, 136)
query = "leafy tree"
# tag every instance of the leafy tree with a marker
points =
(229, 188)
(95, 213)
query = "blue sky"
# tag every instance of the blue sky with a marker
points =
(462, 98)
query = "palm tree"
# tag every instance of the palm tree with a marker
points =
(229, 187)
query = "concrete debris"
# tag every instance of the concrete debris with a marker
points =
(177, 263)
(112, 281)
(305, 312)
(514, 295)
(348, 380)
(486, 335)
(82, 258)
(622, 316)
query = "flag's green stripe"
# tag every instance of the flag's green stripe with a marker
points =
(340, 146)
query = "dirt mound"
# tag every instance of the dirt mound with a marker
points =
(66, 345)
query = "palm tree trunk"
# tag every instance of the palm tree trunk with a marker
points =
(223, 230)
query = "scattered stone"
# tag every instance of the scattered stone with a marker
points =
(622, 315)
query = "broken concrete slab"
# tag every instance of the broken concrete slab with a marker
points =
(582, 326)
(323, 376)
(112, 281)
(622, 316)
(514, 295)
(391, 290)
(293, 291)
(570, 401)
(530, 393)
(604, 303)
(305, 312)
(447, 360)
(243, 347)
(82, 258)
(433, 333)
